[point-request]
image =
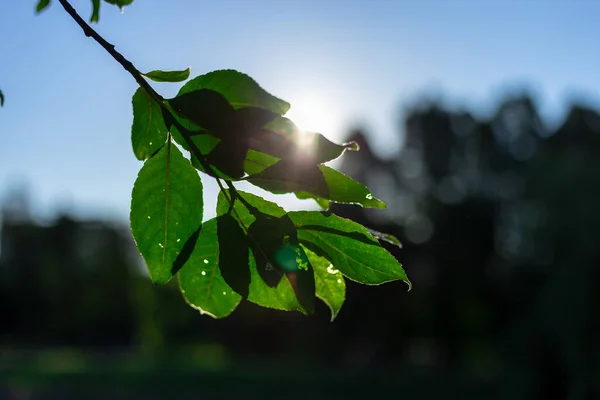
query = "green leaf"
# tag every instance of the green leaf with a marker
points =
(348, 246)
(282, 296)
(330, 283)
(168, 76)
(283, 139)
(148, 132)
(41, 5)
(314, 181)
(213, 171)
(203, 141)
(228, 157)
(256, 162)
(205, 108)
(234, 128)
(239, 89)
(343, 189)
(245, 216)
(300, 273)
(274, 244)
(166, 209)
(200, 279)
(235, 135)
(266, 236)
(289, 177)
(95, 11)
(205, 144)
(233, 254)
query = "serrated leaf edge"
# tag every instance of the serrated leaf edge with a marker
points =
(354, 260)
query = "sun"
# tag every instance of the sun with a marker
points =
(312, 114)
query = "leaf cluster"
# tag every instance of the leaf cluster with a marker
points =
(226, 126)
(253, 249)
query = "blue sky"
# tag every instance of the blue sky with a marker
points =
(65, 126)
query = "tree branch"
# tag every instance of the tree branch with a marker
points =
(129, 67)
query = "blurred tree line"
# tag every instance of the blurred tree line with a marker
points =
(498, 217)
(498, 222)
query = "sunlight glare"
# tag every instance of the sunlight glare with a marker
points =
(304, 141)
(311, 114)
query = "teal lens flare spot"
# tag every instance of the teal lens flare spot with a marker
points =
(291, 258)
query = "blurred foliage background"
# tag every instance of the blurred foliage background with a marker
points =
(498, 220)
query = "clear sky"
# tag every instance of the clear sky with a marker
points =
(65, 126)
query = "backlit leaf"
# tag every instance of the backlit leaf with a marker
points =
(348, 246)
(256, 162)
(200, 279)
(239, 89)
(300, 273)
(233, 254)
(205, 108)
(148, 132)
(288, 177)
(166, 209)
(204, 142)
(234, 128)
(314, 181)
(168, 76)
(245, 216)
(282, 296)
(229, 159)
(343, 189)
(266, 237)
(330, 283)
(283, 139)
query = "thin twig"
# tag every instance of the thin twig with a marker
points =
(129, 67)
(185, 133)
(137, 75)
